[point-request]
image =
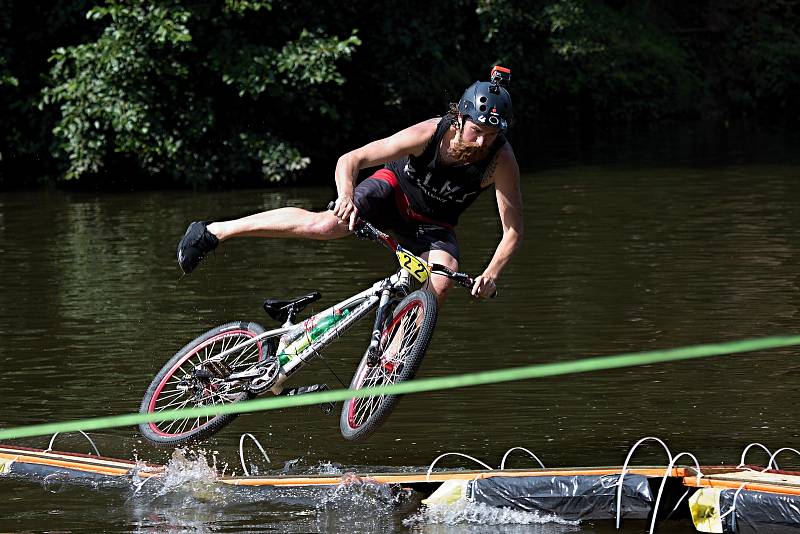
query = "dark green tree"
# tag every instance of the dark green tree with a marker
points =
(243, 91)
(194, 93)
(585, 60)
(753, 59)
(28, 33)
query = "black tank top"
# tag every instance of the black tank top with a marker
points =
(441, 193)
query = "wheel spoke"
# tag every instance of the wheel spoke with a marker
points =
(214, 392)
(404, 339)
(244, 355)
(177, 403)
(398, 341)
(171, 424)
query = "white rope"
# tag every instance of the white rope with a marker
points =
(744, 453)
(503, 461)
(664, 481)
(53, 439)
(241, 451)
(772, 458)
(625, 467)
(428, 477)
(733, 504)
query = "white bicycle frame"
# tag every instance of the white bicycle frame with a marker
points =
(359, 305)
(399, 284)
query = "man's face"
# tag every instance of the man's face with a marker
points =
(473, 141)
(479, 134)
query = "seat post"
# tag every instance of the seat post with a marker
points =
(291, 315)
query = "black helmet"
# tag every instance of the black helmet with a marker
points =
(488, 103)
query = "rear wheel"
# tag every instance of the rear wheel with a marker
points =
(194, 377)
(403, 344)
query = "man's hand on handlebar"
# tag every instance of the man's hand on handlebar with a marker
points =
(484, 287)
(345, 209)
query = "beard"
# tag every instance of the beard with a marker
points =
(465, 152)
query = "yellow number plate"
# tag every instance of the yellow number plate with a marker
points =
(414, 265)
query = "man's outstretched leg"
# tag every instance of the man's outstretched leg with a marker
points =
(201, 238)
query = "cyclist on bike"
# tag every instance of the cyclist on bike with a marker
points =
(432, 172)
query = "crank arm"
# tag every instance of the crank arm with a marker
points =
(255, 372)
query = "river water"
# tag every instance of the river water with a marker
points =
(616, 259)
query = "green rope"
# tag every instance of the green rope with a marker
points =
(415, 386)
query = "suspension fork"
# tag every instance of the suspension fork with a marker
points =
(380, 319)
(388, 295)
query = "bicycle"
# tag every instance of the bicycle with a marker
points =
(240, 360)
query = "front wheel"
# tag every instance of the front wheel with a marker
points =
(195, 377)
(403, 343)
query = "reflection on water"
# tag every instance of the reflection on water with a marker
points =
(615, 260)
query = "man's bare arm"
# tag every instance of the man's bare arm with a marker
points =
(509, 204)
(412, 140)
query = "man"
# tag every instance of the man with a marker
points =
(433, 171)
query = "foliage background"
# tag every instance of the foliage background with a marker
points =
(243, 92)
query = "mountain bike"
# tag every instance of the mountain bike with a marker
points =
(240, 360)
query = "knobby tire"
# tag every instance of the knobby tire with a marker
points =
(165, 393)
(403, 344)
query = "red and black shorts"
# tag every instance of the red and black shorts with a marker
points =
(380, 201)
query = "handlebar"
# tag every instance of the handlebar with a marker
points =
(364, 230)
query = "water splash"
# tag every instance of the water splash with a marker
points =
(361, 505)
(189, 496)
(186, 471)
(464, 512)
(185, 498)
(187, 477)
(55, 482)
(327, 468)
(298, 466)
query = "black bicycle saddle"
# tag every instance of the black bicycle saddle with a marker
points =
(282, 310)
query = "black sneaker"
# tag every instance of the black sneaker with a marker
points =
(194, 245)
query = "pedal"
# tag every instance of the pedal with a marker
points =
(326, 407)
